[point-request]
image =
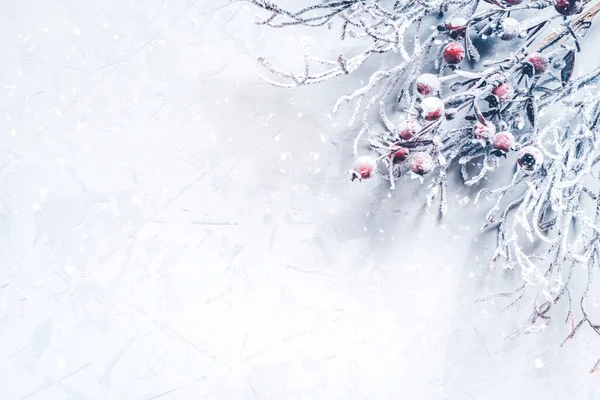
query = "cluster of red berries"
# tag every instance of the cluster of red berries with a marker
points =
(486, 131)
(364, 167)
(431, 107)
(529, 159)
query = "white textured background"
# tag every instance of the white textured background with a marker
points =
(172, 227)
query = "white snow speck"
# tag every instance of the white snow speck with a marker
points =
(76, 31)
(539, 363)
(464, 201)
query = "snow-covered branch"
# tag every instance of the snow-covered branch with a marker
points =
(424, 116)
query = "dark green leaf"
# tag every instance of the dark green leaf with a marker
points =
(532, 113)
(567, 71)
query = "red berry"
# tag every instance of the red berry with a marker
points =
(539, 62)
(428, 84)
(484, 131)
(364, 167)
(503, 141)
(513, 2)
(530, 159)
(421, 163)
(408, 128)
(568, 7)
(453, 53)
(400, 155)
(504, 91)
(432, 108)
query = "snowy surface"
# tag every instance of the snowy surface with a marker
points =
(172, 227)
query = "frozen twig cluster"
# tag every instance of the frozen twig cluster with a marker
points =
(549, 206)
(425, 114)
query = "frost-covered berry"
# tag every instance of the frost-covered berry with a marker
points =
(400, 155)
(484, 131)
(504, 91)
(364, 168)
(421, 163)
(539, 62)
(456, 27)
(428, 84)
(568, 7)
(432, 108)
(510, 29)
(513, 2)
(530, 159)
(503, 141)
(453, 53)
(407, 128)
(456, 23)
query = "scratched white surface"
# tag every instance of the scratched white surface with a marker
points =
(171, 227)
